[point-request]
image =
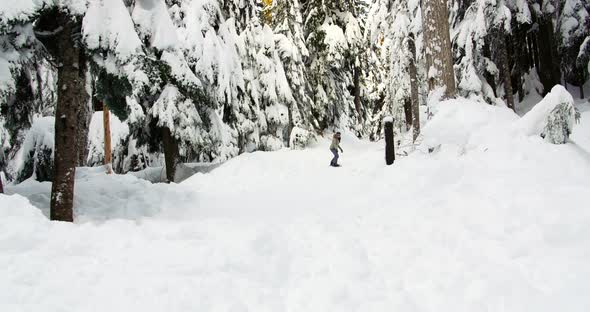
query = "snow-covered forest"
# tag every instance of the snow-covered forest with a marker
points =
(204, 126)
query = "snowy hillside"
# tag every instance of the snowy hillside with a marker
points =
(492, 220)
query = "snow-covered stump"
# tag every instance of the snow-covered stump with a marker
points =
(553, 118)
(389, 141)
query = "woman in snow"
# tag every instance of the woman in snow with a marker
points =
(334, 149)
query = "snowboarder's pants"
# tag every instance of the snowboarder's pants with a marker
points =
(335, 159)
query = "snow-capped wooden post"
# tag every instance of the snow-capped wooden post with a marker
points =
(389, 142)
(107, 138)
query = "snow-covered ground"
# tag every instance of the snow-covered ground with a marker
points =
(493, 220)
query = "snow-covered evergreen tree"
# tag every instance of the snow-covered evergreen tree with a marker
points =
(333, 34)
(574, 34)
(290, 43)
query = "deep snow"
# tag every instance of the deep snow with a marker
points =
(493, 220)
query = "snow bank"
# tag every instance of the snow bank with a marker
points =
(465, 125)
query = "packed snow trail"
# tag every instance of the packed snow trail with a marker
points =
(493, 221)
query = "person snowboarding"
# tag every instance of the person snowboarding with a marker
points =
(334, 149)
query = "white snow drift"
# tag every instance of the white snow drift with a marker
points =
(495, 220)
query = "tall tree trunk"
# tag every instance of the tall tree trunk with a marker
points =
(108, 159)
(357, 91)
(414, 88)
(504, 66)
(70, 84)
(84, 117)
(170, 153)
(408, 112)
(549, 72)
(439, 58)
(535, 51)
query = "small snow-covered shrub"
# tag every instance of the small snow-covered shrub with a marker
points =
(560, 123)
(37, 151)
(553, 118)
(300, 138)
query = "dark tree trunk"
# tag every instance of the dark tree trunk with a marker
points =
(535, 51)
(414, 88)
(549, 71)
(70, 85)
(170, 153)
(582, 91)
(389, 142)
(408, 112)
(357, 92)
(1, 186)
(530, 52)
(439, 58)
(501, 53)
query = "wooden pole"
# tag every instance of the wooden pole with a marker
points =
(389, 142)
(107, 138)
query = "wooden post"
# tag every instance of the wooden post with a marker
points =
(389, 142)
(107, 138)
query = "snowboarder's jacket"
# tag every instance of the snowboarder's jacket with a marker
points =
(335, 143)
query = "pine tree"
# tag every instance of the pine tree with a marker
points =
(290, 42)
(334, 38)
(573, 32)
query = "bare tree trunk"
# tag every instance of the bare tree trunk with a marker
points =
(70, 85)
(84, 117)
(170, 153)
(582, 91)
(108, 158)
(408, 112)
(549, 72)
(1, 186)
(439, 58)
(357, 92)
(414, 88)
(504, 65)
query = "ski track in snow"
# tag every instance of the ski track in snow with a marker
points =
(495, 222)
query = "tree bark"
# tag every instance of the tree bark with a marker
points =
(414, 88)
(170, 153)
(70, 84)
(84, 117)
(389, 142)
(408, 112)
(439, 58)
(357, 91)
(108, 158)
(504, 66)
(549, 71)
